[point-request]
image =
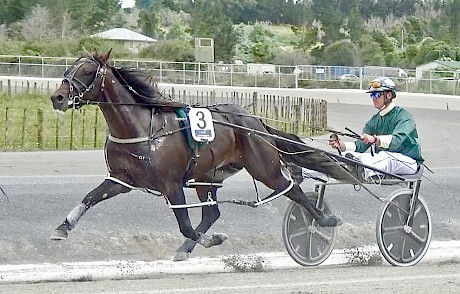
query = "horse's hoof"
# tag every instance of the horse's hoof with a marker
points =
(205, 241)
(218, 238)
(59, 235)
(330, 221)
(181, 256)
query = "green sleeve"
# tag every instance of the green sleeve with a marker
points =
(369, 128)
(405, 125)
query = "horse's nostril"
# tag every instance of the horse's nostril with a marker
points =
(60, 98)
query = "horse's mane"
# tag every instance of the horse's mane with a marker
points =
(145, 88)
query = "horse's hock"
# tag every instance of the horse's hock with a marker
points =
(297, 115)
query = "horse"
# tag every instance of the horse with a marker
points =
(146, 149)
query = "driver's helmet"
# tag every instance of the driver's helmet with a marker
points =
(382, 84)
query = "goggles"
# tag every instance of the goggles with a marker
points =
(375, 95)
(376, 84)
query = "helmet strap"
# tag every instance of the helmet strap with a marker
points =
(387, 100)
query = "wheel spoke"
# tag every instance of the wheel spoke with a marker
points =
(306, 218)
(300, 232)
(417, 238)
(323, 236)
(418, 210)
(394, 229)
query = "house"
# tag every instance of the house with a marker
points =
(130, 40)
(452, 66)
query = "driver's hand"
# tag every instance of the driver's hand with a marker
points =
(368, 139)
(336, 143)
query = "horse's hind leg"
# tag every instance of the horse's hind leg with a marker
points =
(209, 216)
(104, 191)
(272, 177)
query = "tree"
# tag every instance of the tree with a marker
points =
(307, 35)
(243, 44)
(382, 39)
(263, 45)
(14, 10)
(370, 52)
(37, 25)
(150, 22)
(60, 17)
(180, 32)
(342, 52)
(354, 22)
(209, 20)
(331, 20)
(144, 4)
(95, 15)
(452, 11)
(431, 49)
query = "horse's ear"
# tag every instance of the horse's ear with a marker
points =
(105, 56)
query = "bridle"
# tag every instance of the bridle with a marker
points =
(79, 87)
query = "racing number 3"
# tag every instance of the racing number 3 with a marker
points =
(201, 124)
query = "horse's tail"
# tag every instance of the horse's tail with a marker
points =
(305, 156)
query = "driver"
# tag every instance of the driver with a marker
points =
(391, 131)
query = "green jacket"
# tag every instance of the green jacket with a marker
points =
(401, 125)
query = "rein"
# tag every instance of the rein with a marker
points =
(4, 194)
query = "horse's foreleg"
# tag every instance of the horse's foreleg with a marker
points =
(104, 191)
(209, 216)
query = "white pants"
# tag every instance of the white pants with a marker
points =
(391, 162)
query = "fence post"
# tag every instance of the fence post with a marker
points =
(95, 126)
(23, 129)
(8, 87)
(71, 129)
(83, 127)
(308, 117)
(40, 121)
(298, 119)
(6, 127)
(57, 131)
(254, 103)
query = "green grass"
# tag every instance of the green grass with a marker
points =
(283, 33)
(29, 122)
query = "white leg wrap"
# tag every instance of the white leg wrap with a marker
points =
(75, 215)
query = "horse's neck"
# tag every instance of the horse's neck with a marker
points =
(124, 116)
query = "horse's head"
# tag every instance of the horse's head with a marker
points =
(82, 83)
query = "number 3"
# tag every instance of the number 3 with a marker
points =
(201, 116)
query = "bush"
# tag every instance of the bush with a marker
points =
(169, 51)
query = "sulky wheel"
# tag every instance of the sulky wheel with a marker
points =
(400, 244)
(307, 242)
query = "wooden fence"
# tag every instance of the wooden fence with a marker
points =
(45, 129)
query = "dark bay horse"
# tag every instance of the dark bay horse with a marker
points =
(146, 148)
